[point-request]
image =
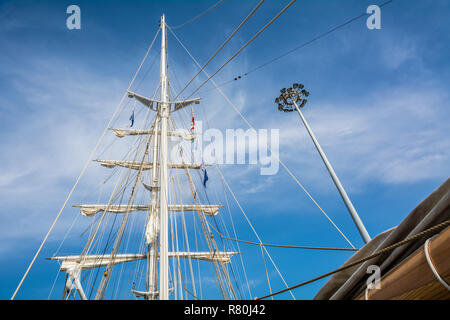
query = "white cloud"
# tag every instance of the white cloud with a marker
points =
(395, 53)
(397, 136)
(60, 116)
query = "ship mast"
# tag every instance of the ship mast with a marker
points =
(157, 228)
(151, 230)
(163, 112)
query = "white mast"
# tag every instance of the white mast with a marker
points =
(164, 109)
(159, 207)
(152, 231)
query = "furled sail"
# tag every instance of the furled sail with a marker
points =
(92, 209)
(95, 261)
(145, 165)
(120, 133)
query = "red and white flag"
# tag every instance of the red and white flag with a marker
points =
(193, 121)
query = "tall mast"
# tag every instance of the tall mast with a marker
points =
(157, 275)
(164, 115)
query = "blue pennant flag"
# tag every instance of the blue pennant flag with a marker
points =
(132, 118)
(205, 175)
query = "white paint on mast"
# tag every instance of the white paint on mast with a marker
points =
(152, 229)
(164, 109)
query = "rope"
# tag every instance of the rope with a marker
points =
(186, 238)
(88, 282)
(121, 231)
(120, 183)
(234, 231)
(248, 221)
(82, 172)
(426, 248)
(205, 225)
(380, 252)
(298, 47)
(231, 191)
(77, 216)
(265, 267)
(80, 176)
(278, 159)
(284, 246)
(244, 46)
(292, 247)
(214, 6)
(221, 47)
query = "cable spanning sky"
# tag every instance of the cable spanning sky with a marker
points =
(378, 104)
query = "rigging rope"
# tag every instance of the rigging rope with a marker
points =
(283, 246)
(186, 238)
(221, 47)
(248, 221)
(210, 241)
(214, 6)
(384, 250)
(231, 191)
(278, 159)
(229, 212)
(234, 231)
(267, 272)
(284, 166)
(129, 177)
(244, 46)
(238, 77)
(118, 240)
(245, 274)
(82, 172)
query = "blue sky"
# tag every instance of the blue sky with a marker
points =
(379, 106)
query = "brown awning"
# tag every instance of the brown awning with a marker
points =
(350, 283)
(414, 278)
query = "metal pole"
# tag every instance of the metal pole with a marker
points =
(362, 230)
(164, 232)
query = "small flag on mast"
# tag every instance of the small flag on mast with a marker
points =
(193, 121)
(132, 118)
(192, 125)
(205, 175)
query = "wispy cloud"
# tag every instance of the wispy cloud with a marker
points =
(395, 138)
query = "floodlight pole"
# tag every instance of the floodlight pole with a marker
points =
(362, 230)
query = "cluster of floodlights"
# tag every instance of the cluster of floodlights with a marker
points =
(291, 96)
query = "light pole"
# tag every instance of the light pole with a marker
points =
(288, 101)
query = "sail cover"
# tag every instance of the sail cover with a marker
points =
(120, 133)
(95, 261)
(349, 283)
(135, 165)
(92, 209)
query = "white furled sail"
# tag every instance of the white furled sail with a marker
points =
(209, 210)
(92, 209)
(69, 263)
(120, 133)
(144, 165)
